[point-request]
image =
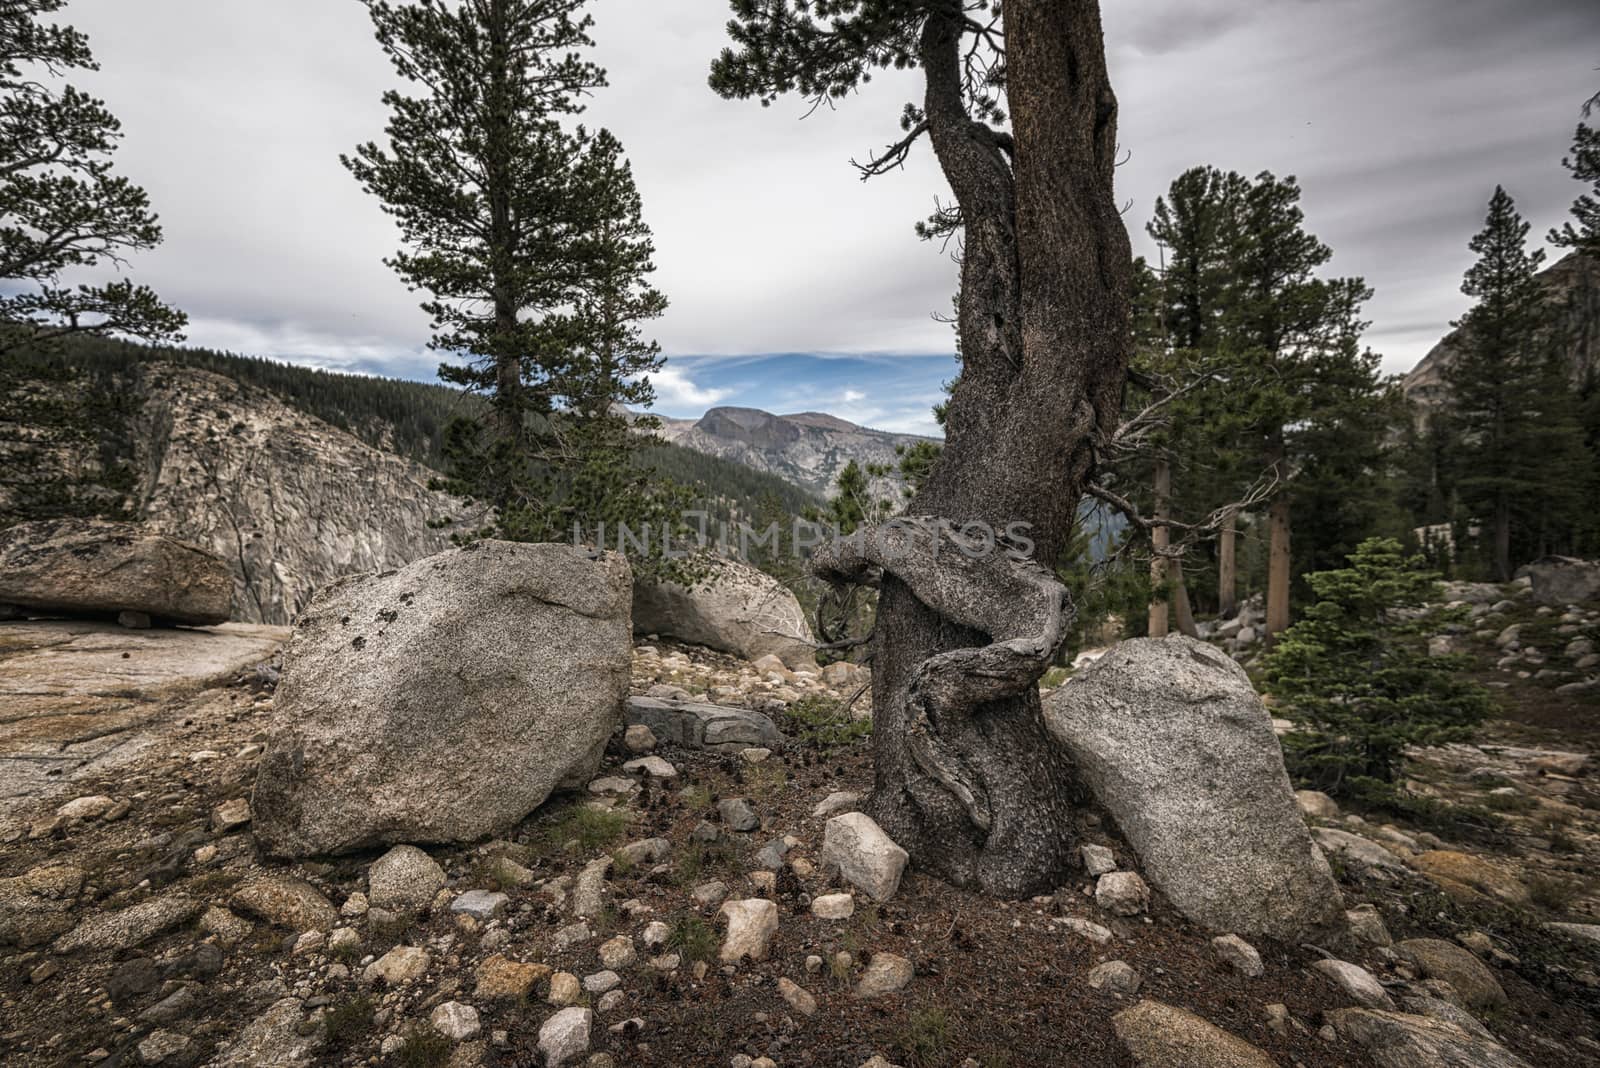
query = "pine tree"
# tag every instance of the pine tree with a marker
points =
(62, 209)
(1584, 163)
(1504, 389)
(1290, 331)
(1356, 676)
(529, 239)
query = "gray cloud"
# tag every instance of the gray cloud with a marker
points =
(1398, 118)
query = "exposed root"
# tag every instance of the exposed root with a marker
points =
(977, 581)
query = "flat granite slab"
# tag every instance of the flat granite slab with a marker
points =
(79, 696)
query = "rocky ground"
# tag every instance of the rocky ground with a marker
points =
(698, 906)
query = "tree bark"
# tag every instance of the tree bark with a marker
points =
(1182, 610)
(1160, 540)
(1227, 580)
(1279, 560)
(968, 779)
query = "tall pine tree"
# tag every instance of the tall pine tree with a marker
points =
(528, 237)
(1500, 385)
(62, 208)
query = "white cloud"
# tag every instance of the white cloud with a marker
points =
(853, 396)
(675, 391)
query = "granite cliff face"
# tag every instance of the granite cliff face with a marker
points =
(808, 449)
(1572, 284)
(288, 500)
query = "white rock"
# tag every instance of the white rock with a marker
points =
(1098, 859)
(456, 1021)
(1123, 893)
(867, 858)
(401, 965)
(885, 974)
(1355, 982)
(653, 766)
(86, 808)
(480, 904)
(798, 997)
(836, 802)
(565, 1036)
(1239, 955)
(656, 934)
(833, 907)
(602, 982)
(751, 925)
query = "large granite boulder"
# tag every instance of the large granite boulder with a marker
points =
(1563, 579)
(443, 702)
(96, 568)
(1172, 739)
(738, 610)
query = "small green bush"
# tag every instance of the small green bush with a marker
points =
(1356, 675)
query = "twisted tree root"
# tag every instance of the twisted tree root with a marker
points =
(981, 582)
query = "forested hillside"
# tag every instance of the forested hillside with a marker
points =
(395, 415)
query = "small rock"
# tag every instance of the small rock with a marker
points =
(1114, 977)
(129, 927)
(565, 1036)
(1366, 924)
(1122, 893)
(1240, 955)
(1098, 859)
(1355, 982)
(293, 904)
(751, 925)
(885, 974)
(230, 815)
(160, 1046)
(639, 738)
(651, 766)
(834, 803)
(754, 755)
(770, 856)
(833, 907)
(499, 978)
(1438, 959)
(799, 999)
(656, 934)
(404, 879)
(612, 786)
(456, 1021)
(618, 953)
(565, 989)
(710, 893)
(399, 966)
(602, 982)
(738, 815)
(480, 904)
(355, 906)
(649, 851)
(1316, 804)
(1087, 929)
(866, 857)
(85, 808)
(588, 891)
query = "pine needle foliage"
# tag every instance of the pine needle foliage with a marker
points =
(1356, 675)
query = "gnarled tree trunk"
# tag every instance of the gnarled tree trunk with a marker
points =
(967, 778)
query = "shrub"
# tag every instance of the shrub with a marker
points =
(1356, 675)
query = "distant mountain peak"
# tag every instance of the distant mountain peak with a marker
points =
(808, 448)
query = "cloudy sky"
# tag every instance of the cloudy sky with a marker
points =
(793, 285)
